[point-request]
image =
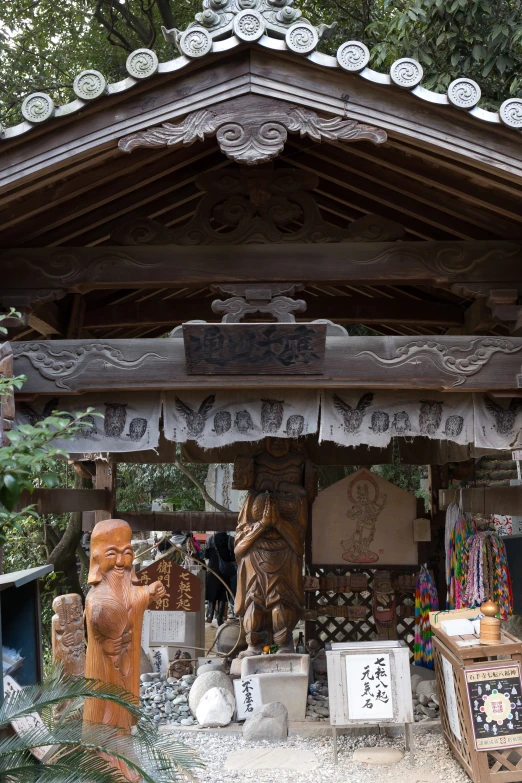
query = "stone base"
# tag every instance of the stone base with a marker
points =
(282, 678)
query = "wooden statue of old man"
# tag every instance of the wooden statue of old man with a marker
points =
(114, 613)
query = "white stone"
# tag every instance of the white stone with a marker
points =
(426, 688)
(215, 708)
(272, 758)
(378, 757)
(268, 723)
(205, 683)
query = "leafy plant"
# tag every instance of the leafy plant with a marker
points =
(76, 755)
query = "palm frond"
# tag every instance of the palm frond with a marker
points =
(35, 698)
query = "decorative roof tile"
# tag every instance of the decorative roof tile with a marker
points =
(276, 25)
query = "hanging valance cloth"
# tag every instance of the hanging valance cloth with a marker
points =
(221, 418)
(128, 422)
(444, 426)
(374, 418)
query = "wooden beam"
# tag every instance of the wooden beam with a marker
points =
(183, 521)
(105, 481)
(63, 501)
(47, 320)
(343, 309)
(165, 266)
(416, 362)
(485, 501)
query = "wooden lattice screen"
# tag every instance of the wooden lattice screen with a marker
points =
(348, 627)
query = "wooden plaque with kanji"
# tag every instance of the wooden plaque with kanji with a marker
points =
(183, 589)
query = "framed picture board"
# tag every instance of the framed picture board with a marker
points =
(495, 704)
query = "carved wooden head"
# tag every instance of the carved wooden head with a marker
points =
(277, 447)
(111, 550)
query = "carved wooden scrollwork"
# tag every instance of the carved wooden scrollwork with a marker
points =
(459, 362)
(257, 206)
(253, 136)
(63, 366)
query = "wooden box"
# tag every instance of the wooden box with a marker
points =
(453, 664)
(254, 349)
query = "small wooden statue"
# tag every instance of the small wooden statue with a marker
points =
(68, 634)
(114, 612)
(270, 539)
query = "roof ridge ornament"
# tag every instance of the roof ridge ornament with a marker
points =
(248, 20)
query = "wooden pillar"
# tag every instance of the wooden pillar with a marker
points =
(106, 479)
(435, 553)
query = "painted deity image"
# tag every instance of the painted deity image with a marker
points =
(368, 504)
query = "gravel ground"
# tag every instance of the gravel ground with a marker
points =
(433, 761)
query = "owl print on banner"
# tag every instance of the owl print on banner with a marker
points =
(355, 418)
(498, 422)
(222, 418)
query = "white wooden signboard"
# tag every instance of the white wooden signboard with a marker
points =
(369, 686)
(370, 683)
(159, 658)
(167, 627)
(248, 696)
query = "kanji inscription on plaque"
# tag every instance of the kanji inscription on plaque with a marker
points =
(183, 589)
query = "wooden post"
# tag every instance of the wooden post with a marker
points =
(106, 479)
(438, 479)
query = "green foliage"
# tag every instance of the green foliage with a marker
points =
(76, 759)
(44, 44)
(30, 455)
(139, 485)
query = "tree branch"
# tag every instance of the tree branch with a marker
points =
(165, 11)
(199, 485)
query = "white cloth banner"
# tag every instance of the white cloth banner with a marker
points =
(233, 417)
(128, 422)
(498, 422)
(355, 417)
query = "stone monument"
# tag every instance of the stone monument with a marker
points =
(114, 612)
(270, 540)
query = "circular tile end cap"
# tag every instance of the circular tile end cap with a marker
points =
(89, 85)
(38, 107)
(249, 25)
(196, 42)
(353, 56)
(511, 113)
(302, 38)
(406, 73)
(142, 63)
(464, 93)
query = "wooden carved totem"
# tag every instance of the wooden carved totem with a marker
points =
(68, 634)
(114, 612)
(270, 541)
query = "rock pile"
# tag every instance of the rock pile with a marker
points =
(166, 699)
(318, 707)
(425, 695)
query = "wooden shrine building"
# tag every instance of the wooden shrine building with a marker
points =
(270, 195)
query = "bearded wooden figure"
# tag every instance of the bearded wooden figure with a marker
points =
(114, 612)
(270, 541)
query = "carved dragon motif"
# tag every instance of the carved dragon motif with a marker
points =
(460, 363)
(63, 366)
(252, 137)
